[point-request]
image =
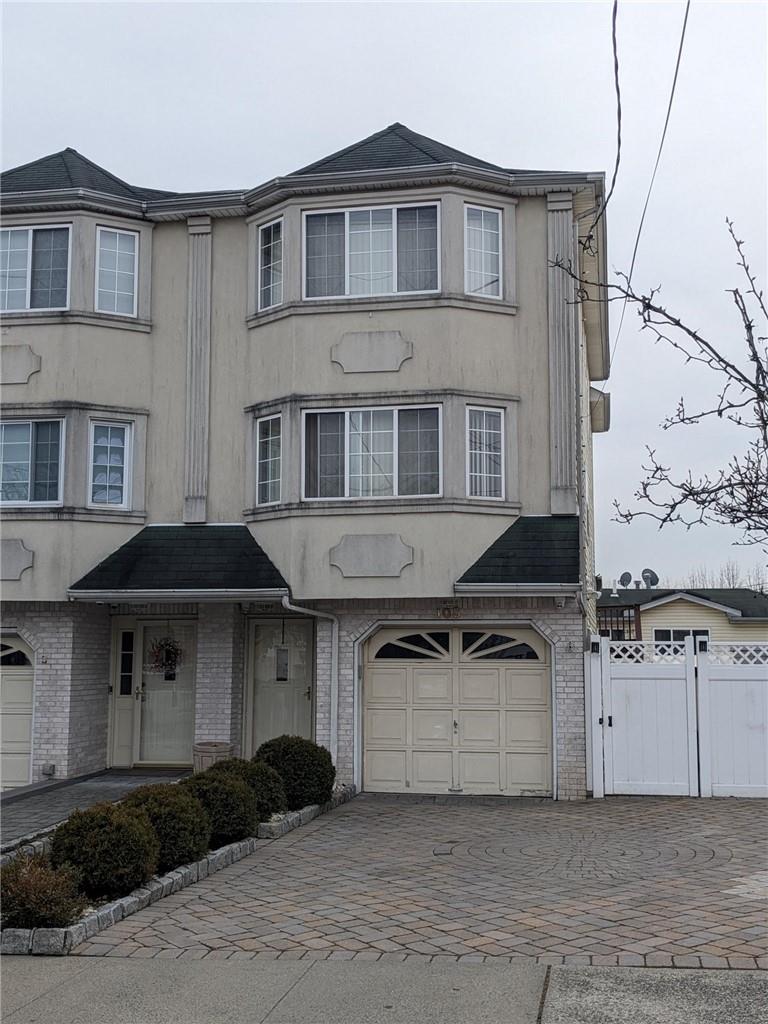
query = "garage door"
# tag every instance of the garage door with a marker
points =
(461, 710)
(16, 690)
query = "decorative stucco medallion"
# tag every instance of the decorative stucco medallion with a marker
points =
(371, 554)
(17, 364)
(371, 351)
(14, 558)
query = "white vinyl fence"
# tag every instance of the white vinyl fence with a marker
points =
(667, 719)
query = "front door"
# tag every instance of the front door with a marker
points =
(282, 679)
(164, 725)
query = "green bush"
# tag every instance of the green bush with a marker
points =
(230, 804)
(263, 780)
(112, 846)
(36, 895)
(179, 820)
(305, 768)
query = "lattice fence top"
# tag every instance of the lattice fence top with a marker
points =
(721, 653)
(646, 652)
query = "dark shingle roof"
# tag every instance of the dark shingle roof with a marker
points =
(70, 169)
(751, 603)
(185, 558)
(395, 146)
(535, 549)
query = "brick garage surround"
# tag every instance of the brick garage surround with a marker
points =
(563, 627)
(71, 694)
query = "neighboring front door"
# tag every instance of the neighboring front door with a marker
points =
(282, 679)
(153, 692)
(17, 677)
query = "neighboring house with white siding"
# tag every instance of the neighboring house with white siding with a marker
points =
(717, 614)
(310, 457)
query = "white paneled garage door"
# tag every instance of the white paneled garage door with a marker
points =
(16, 694)
(460, 710)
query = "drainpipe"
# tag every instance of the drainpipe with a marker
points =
(334, 717)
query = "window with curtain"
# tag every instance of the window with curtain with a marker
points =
(110, 464)
(116, 271)
(379, 251)
(372, 453)
(30, 461)
(482, 251)
(485, 458)
(271, 265)
(34, 268)
(269, 457)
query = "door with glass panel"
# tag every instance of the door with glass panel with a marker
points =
(283, 663)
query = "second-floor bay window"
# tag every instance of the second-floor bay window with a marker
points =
(482, 251)
(116, 271)
(109, 464)
(372, 453)
(377, 251)
(34, 268)
(30, 461)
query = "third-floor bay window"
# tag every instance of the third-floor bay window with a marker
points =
(372, 453)
(376, 251)
(34, 268)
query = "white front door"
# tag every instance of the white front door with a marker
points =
(282, 660)
(17, 677)
(462, 710)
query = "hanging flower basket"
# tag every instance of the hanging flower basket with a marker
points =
(165, 655)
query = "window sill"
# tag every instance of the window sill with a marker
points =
(373, 303)
(388, 506)
(19, 318)
(74, 513)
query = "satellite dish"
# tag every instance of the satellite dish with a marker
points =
(625, 579)
(650, 578)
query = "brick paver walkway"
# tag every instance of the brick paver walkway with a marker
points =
(636, 881)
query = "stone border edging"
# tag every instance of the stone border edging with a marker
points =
(61, 941)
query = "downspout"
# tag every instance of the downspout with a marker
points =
(334, 715)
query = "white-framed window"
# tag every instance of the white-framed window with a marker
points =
(485, 453)
(482, 252)
(270, 285)
(34, 267)
(377, 452)
(268, 459)
(381, 250)
(31, 462)
(109, 464)
(117, 271)
(678, 636)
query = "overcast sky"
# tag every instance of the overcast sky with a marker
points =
(201, 96)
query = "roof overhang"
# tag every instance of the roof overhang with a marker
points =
(703, 602)
(519, 589)
(599, 410)
(176, 596)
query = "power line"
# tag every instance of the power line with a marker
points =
(602, 209)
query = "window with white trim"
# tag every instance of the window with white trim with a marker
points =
(34, 268)
(678, 636)
(372, 453)
(482, 251)
(109, 464)
(376, 251)
(268, 460)
(271, 265)
(485, 453)
(31, 462)
(117, 265)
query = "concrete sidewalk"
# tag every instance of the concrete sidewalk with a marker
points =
(119, 991)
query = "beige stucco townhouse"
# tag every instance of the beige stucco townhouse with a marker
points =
(310, 457)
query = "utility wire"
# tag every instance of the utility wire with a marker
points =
(601, 211)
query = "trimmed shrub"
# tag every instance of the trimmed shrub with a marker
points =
(305, 768)
(112, 846)
(36, 895)
(230, 804)
(263, 780)
(180, 822)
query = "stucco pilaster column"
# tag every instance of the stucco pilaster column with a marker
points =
(563, 389)
(198, 385)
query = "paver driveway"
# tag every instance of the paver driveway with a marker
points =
(654, 881)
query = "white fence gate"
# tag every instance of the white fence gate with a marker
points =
(668, 720)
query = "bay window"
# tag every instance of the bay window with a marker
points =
(34, 268)
(109, 464)
(117, 256)
(376, 251)
(485, 453)
(372, 453)
(268, 460)
(30, 461)
(482, 251)
(271, 265)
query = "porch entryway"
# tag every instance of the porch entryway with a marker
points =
(17, 681)
(153, 692)
(281, 676)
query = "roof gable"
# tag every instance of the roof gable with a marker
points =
(395, 146)
(739, 601)
(533, 550)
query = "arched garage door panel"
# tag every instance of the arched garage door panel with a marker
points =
(16, 696)
(460, 710)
